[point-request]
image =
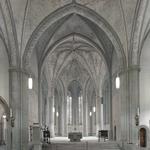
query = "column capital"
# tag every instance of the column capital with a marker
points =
(134, 68)
(18, 69)
(121, 71)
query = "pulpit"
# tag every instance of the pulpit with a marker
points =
(37, 145)
(75, 136)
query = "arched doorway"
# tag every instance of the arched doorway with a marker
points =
(143, 137)
(4, 117)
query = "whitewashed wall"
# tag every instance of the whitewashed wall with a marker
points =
(145, 84)
(33, 94)
(4, 73)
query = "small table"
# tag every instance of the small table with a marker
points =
(75, 136)
(103, 134)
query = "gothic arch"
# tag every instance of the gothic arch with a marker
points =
(11, 42)
(89, 42)
(6, 47)
(145, 38)
(135, 47)
(146, 132)
(5, 106)
(73, 8)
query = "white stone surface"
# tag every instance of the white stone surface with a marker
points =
(119, 44)
(4, 73)
(144, 85)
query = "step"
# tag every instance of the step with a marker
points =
(82, 146)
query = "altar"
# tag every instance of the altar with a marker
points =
(75, 136)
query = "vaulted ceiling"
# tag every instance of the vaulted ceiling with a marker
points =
(20, 21)
(75, 59)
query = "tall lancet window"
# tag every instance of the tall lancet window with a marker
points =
(80, 103)
(69, 109)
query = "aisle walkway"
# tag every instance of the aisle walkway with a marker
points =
(87, 143)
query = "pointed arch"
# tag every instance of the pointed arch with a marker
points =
(135, 43)
(73, 8)
(5, 106)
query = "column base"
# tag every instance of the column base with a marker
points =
(37, 146)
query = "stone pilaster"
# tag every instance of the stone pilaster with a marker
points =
(24, 111)
(85, 116)
(19, 105)
(51, 113)
(48, 110)
(98, 113)
(123, 106)
(133, 103)
(62, 116)
(65, 114)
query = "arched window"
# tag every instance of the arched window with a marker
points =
(69, 109)
(4, 115)
(143, 137)
(80, 103)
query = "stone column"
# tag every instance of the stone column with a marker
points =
(15, 104)
(110, 110)
(59, 120)
(98, 114)
(65, 114)
(87, 118)
(48, 110)
(19, 105)
(62, 115)
(85, 115)
(51, 113)
(62, 110)
(93, 122)
(123, 105)
(133, 103)
(24, 111)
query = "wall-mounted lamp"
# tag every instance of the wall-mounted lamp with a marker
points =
(30, 83)
(137, 116)
(117, 82)
(4, 116)
(90, 113)
(136, 119)
(53, 109)
(94, 109)
(57, 114)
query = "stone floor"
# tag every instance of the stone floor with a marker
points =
(87, 143)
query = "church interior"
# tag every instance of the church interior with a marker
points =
(74, 74)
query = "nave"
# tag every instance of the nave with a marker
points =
(75, 66)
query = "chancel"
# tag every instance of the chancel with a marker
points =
(74, 74)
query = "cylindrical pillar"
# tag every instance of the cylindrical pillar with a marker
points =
(98, 114)
(51, 113)
(133, 93)
(19, 105)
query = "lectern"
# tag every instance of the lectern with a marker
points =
(103, 134)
